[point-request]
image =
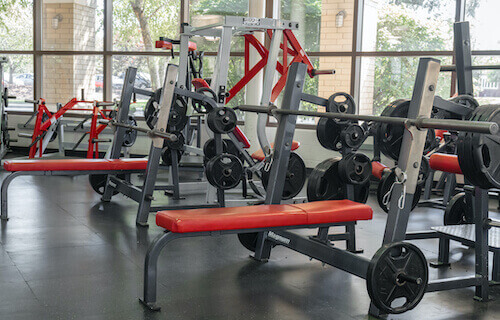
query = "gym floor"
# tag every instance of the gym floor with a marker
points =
(66, 255)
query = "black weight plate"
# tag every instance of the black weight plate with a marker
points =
(385, 279)
(295, 177)
(231, 148)
(222, 120)
(423, 173)
(130, 135)
(341, 102)
(353, 136)
(98, 182)
(467, 146)
(224, 171)
(385, 185)
(329, 132)
(458, 211)
(248, 240)
(166, 156)
(355, 168)
(45, 117)
(486, 152)
(178, 115)
(150, 112)
(391, 136)
(209, 148)
(324, 183)
(175, 145)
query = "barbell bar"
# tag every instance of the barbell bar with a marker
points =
(149, 132)
(420, 123)
(453, 68)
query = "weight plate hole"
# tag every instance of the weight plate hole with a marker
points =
(399, 302)
(485, 152)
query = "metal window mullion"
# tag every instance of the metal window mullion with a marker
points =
(37, 47)
(108, 48)
(357, 33)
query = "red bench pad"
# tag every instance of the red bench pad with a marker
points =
(75, 164)
(262, 216)
(259, 154)
(445, 162)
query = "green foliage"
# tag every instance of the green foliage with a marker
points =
(400, 30)
(220, 7)
(310, 28)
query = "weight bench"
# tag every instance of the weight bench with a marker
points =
(65, 167)
(270, 221)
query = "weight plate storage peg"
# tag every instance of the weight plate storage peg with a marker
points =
(222, 120)
(355, 168)
(98, 182)
(397, 277)
(224, 171)
(295, 177)
(458, 211)
(130, 134)
(329, 132)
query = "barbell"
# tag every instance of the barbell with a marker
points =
(419, 123)
(149, 132)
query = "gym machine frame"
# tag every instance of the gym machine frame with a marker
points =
(4, 97)
(318, 248)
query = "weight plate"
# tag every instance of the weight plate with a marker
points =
(45, 117)
(248, 240)
(390, 136)
(341, 102)
(175, 145)
(222, 120)
(423, 173)
(353, 136)
(324, 183)
(209, 148)
(295, 177)
(397, 272)
(177, 118)
(385, 185)
(98, 182)
(166, 156)
(224, 171)
(130, 134)
(150, 111)
(329, 132)
(231, 148)
(458, 211)
(355, 168)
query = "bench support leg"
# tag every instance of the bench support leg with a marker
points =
(263, 248)
(444, 253)
(5, 185)
(150, 268)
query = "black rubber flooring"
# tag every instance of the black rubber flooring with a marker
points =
(66, 255)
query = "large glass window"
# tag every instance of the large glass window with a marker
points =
(408, 25)
(385, 79)
(483, 15)
(16, 27)
(486, 82)
(18, 79)
(138, 24)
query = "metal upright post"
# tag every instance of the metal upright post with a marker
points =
(410, 156)
(463, 56)
(480, 210)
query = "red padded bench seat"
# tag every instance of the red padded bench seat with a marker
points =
(445, 162)
(263, 216)
(75, 165)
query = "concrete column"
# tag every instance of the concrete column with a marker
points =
(253, 92)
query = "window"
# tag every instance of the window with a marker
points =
(385, 79)
(486, 82)
(408, 25)
(18, 79)
(138, 24)
(483, 16)
(16, 29)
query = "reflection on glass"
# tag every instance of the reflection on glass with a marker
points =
(483, 18)
(486, 82)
